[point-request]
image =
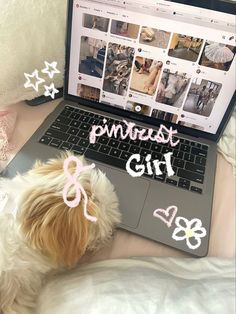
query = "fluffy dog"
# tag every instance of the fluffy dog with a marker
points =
(39, 233)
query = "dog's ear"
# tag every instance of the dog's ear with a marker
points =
(49, 225)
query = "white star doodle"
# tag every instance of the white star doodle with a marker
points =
(38, 80)
(50, 69)
(50, 90)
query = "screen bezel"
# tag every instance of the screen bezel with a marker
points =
(213, 5)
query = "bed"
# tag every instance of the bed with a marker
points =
(112, 281)
(143, 286)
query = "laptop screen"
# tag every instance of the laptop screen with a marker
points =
(159, 59)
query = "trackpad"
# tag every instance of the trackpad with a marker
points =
(131, 193)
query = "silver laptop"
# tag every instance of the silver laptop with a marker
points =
(152, 63)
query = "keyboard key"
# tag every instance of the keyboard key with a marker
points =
(95, 146)
(124, 146)
(150, 176)
(103, 140)
(65, 113)
(189, 157)
(85, 126)
(185, 148)
(84, 118)
(63, 120)
(73, 139)
(60, 127)
(200, 160)
(57, 134)
(45, 140)
(73, 131)
(104, 149)
(74, 115)
(145, 144)
(84, 113)
(161, 177)
(178, 154)
(199, 152)
(186, 142)
(136, 142)
(205, 147)
(115, 152)
(171, 181)
(78, 149)
(83, 134)
(184, 184)
(196, 189)
(55, 143)
(83, 142)
(66, 146)
(156, 148)
(134, 149)
(178, 163)
(166, 150)
(113, 143)
(75, 123)
(157, 156)
(195, 168)
(125, 155)
(145, 152)
(192, 176)
(93, 121)
(69, 108)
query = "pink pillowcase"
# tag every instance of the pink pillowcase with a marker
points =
(7, 124)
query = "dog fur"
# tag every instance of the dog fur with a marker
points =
(40, 233)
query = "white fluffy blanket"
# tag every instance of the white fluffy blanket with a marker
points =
(31, 32)
(143, 286)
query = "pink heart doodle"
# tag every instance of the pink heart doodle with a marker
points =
(166, 215)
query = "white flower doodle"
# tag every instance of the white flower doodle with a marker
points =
(190, 230)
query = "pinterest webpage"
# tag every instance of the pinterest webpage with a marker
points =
(158, 65)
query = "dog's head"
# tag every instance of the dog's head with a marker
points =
(58, 231)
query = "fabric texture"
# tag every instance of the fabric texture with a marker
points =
(7, 124)
(227, 143)
(143, 286)
(31, 32)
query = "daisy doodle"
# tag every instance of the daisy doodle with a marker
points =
(191, 231)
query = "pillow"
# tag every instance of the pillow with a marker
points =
(31, 32)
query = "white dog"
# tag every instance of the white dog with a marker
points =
(39, 233)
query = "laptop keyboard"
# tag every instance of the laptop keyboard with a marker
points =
(70, 131)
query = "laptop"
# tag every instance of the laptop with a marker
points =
(154, 63)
